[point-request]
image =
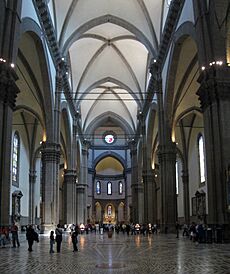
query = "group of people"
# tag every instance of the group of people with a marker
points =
(5, 235)
(32, 236)
(58, 238)
(195, 232)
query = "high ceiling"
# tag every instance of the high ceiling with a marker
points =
(109, 45)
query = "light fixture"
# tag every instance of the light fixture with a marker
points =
(12, 65)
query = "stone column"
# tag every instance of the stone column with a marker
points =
(214, 96)
(185, 181)
(148, 179)
(8, 93)
(167, 162)
(50, 160)
(70, 196)
(32, 181)
(149, 196)
(134, 181)
(82, 185)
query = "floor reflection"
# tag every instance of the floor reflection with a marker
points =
(119, 254)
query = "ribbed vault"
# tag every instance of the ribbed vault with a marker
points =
(108, 46)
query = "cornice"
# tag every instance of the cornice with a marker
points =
(49, 31)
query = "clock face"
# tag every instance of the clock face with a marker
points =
(109, 138)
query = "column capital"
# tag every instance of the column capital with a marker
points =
(132, 146)
(148, 175)
(51, 152)
(85, 146)
(32, 176)
(167, 152)
(214, 86)
(70, 176)
(8, 87)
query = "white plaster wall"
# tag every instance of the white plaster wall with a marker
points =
(28, 10)
(193, 164)
(52, 71)
(23, 173)
(180, 197)
(165, 13)
(187, 13)
(37, 186)
(165, 72)
(99, 152)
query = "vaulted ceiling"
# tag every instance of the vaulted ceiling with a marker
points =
(108, 45)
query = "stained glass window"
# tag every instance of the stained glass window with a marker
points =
(15, 159)
(109, 188)
(120, 187)
(201, 158)
(98, 187)
(109, 139)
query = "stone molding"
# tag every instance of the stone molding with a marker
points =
(49, 31)
(8, 87)
(50, 152)
(70, 176)
(214, 86)
(167, 152)
(170, 24)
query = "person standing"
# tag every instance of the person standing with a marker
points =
(31, 236)
(58, 232)
(52, 241)
(14, 232)
(74, 238)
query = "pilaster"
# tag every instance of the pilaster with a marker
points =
(8, 93)
(32, 181)
(214, 95)
(82, 184)
(185, 181)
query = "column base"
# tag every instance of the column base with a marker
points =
(46, 228)
(168, 228)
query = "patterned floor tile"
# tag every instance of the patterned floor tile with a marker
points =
(156, 254)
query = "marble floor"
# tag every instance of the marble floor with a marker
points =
(119, 254)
